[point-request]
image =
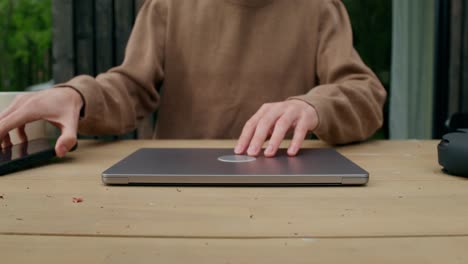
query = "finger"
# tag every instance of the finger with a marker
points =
(67, 140)
(22, 133)
(249, 130)
(300, 132)
(11, 108)
(12, 116)
(14, 120)
(282, 126)
(6, 153)
(7, 111)
(261, 131)
(246, 135)
(24, 149)
(6, 141)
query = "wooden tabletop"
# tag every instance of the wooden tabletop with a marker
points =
(410, 212)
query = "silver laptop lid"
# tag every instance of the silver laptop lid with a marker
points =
(221, 167)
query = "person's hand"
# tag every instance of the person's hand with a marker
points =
(59, 106)
(275, 120)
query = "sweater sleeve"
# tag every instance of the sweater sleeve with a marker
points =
(115, 101)
(349, 98)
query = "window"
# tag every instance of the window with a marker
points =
(25, 46)
(372, 28)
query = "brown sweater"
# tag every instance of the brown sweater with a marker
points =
(208, 65)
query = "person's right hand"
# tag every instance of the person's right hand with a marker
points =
(60, 106)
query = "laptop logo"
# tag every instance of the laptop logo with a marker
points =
(236, 159)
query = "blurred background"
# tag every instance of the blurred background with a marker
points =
(25, 43)
(418, 49)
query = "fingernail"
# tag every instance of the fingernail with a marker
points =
(252, 150)
(292, 150)
(269, 149)
(64, 150)
(238, 149)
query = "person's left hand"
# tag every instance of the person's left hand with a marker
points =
(275, 120)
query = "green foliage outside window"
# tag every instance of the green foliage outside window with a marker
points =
(25, 43)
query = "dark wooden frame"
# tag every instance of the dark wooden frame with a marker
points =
(89, 37)
(83, 27)
(451, 74)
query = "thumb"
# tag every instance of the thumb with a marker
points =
(66, 141)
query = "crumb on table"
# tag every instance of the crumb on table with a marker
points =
(77, 200)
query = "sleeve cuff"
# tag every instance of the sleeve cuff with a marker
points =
(322, 109)
(83, 85)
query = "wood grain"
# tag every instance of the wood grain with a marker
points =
(31, 249)
(407, 195)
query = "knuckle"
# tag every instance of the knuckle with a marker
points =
(306, 125)
(265, 122)
(300, 133)
(22, 99)
(23, 113)
(291, 110)
(19, 97)
(275, 104)
(307, 112)
(291, 103)
(276, 138)
(249, 124)
(72, 138)
(69, 138)
(282, 125)
(279, 105)
(267, 106)
(301, 125)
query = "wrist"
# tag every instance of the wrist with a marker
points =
(77, 99)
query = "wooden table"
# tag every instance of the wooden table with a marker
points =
(410, 212)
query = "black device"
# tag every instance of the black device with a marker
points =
(453, 153)
(27, 154)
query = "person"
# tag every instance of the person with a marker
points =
(256, 70)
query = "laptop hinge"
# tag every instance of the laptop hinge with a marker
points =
(115, 180)
(354, 180)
